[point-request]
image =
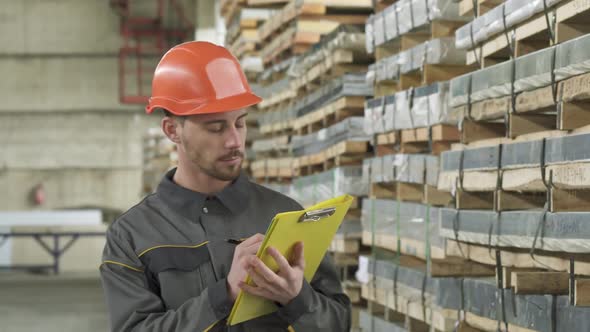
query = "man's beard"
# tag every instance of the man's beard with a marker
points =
(226, 173)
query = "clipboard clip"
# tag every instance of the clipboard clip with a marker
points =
(316, 215)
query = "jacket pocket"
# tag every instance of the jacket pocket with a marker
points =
(177, 272)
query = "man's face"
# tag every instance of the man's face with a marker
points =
(215, 143)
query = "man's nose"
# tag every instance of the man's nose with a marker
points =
(233, 139)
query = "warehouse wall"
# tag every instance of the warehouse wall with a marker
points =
(61, 123)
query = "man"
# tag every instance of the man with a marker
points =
(168, 264)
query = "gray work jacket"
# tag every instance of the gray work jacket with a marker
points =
(166, 260)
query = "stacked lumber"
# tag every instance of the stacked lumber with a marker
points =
(411, 124)
(312, 141)
(414, 46)
(159, 155)
(517, 177)
(301, 23)
(311, 109)
(242, 20)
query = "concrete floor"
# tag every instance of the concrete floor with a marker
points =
(51, 303)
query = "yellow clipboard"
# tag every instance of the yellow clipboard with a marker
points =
(315, 227)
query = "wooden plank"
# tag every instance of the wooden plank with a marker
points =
(440, 132)
(527, 179)
(564, 200)
(582, 292)
(410, 192)
(465, 200)
(574, 115)
(450, 267)
(405, 303)
(414, 255)
(436, 197)
(507, 273)
(472, 131)
(530, 123)
(438, 73)
(520, 258)
(382, 190)
(508, 200)
(486, 324)
(388, 138)
(556, 283)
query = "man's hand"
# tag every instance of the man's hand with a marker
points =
(281, 287)
(238, 271)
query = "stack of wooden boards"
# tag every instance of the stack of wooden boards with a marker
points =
(243, 18)
(159, 155)
(311, 109)
(311, 118)
(301, 23)
(411, 124)
(518, 179)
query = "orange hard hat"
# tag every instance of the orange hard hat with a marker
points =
(198, 78)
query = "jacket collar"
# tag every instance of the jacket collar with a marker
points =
(190, 203)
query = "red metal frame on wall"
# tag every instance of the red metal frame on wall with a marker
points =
(146, 38)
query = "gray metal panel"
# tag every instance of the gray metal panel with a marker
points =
(460, 89)
(450, 161)
(559, 225)
(446, 291)
(482, 158)
(521, 154)
(432, 170)
(568, 148)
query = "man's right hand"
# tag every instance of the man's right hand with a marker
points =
(238, 272)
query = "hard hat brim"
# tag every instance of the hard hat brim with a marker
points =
(227, 104)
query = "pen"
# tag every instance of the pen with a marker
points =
(234, 241)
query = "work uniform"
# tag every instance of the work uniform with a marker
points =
(166, 261)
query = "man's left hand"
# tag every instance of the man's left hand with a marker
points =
(282, 286)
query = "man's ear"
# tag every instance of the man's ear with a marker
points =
(170, 129)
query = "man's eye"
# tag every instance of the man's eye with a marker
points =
(240, 124)
(215, 128)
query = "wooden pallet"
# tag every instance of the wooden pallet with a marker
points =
(489, 325)
(417, 140)
(343, 153)
(279, 128)
(434, 30)
(229, 8)
(426, 75)
(535, 281)
(345, 246)
(410, 192)
(415, 315)
(316, 10)
(413, 255)
(571, 21)
(280, 99)
(329, 114)
(574, 111)
(335, 64)
(300, 24)
(466, 7)
(386, 143)
(276, 168)
(296, 39)
(244, 45)
(520, 258)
